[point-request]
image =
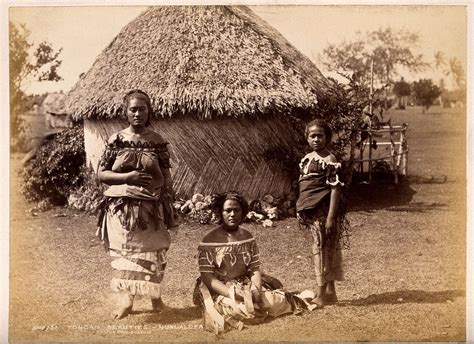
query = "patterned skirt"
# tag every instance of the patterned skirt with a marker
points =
(222, 313)
(326, 249)
(136, 237)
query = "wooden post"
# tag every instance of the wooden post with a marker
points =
(370, 152)
(371, 114)
(400, 150)
(393, 154)
(352, 156)
(405, 151)
(371, 94)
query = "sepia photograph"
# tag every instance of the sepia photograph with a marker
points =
(243, 172)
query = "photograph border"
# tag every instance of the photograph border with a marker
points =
(5, 139)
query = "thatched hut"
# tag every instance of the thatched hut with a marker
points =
(55, 113)
(222, 83)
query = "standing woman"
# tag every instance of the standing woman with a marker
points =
(135, 214)
(320, 210)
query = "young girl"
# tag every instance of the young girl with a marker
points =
(318, 209)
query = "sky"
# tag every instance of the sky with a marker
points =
(83, 32)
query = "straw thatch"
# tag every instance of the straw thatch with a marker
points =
(222, 82)
(202, 60)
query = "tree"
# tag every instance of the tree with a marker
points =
(453, 68)
(27, 63)
(439, 59)
(402, 90)
(425, 93)
(457, 72)
(388, 50)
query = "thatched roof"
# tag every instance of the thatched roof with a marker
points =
(203, 60)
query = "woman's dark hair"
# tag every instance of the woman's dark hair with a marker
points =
(139, 94)
(217, 204)
(320, 123)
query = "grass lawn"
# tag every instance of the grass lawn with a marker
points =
(405, 271)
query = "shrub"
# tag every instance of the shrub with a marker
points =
(89, 195)
(342, 109)
(56, 169)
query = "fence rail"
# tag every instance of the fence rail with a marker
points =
(398, 157)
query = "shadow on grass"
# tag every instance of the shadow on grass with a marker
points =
(370, 197)
(174, 315)
(392, 197)
(419, 207)
(384, 194)
(406, 296)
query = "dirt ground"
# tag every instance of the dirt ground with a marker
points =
(405, 270)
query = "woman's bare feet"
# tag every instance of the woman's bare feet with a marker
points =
(157, 305)
(320, 299)
(331, 296)
(123, 306)
(319, 302)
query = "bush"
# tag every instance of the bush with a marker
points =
(56, 169)
(89, 195)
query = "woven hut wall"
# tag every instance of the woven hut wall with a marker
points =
(214, 155)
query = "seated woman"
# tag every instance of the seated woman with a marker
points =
(231, 289)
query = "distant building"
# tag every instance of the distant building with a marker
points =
(55, 120)
(56, 116)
